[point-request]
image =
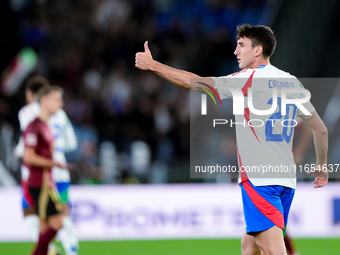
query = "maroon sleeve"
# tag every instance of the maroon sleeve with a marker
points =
(31, 136)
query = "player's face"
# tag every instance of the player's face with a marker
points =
(245, 53)
(54, 101)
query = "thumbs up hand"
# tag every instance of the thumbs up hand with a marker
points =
(144, 59)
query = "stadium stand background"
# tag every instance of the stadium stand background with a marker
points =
(133, 126)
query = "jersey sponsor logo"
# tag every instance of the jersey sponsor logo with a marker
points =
(280, 84)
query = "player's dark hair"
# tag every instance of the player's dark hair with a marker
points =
(35, 83)
(46, 90)
(259, 35)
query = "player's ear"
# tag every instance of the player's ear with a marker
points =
(258, 50)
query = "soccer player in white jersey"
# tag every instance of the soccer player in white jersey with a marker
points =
(64, 141)
(266, 201)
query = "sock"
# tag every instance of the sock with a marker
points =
(52, 246)
(68, 236)
(44, 240)
(32, 225)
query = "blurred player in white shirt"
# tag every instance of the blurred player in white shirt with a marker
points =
(64, 141)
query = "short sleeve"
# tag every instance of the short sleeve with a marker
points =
(236, 81)
(31, 137)
(226, 84)
(308, 105)
(221, 82)
(27, 114)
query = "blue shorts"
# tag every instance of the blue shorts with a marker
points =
(265, 206)
(27, 200)
(62, 188)
(25, 203)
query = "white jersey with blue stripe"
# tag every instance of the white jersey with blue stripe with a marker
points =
(64, 139)
(264, 142)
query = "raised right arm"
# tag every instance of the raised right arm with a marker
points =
(144, 61)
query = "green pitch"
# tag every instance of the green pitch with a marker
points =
(177, 247)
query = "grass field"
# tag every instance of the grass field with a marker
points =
(178, 247)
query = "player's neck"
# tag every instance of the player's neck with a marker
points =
(44, 116)
(260, 62)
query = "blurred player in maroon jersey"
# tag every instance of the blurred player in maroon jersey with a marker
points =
(38, 139)
(64, 141)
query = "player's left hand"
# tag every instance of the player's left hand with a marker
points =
(144, 60)
(70, 166)
(321, 172)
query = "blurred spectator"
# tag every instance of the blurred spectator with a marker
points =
(88, 48)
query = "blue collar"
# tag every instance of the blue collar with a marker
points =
(261, 66)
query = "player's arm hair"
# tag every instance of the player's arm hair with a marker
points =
(320, 135)
(33, 159)
(178, 77)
